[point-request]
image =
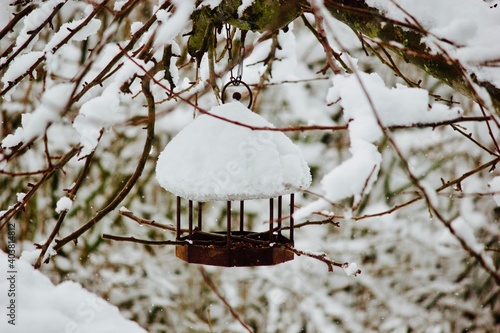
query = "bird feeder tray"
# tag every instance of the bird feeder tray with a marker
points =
(212, 249)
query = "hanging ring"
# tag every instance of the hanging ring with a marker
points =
(237, 95)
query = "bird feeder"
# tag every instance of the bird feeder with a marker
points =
(226, 156)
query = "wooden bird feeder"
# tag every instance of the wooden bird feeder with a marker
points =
(215, 158)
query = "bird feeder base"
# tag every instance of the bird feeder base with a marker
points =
(212, 249)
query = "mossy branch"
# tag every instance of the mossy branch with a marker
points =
(405, 39)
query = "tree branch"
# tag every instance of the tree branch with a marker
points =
(369, 21)
(132, 180)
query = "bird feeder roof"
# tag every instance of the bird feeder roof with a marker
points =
(214, 159)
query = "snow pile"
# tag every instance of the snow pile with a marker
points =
(399, 106)
(63, 204)
(171, 25)
(351, 269)
(98, 113)
(43, 307)
(214, 159)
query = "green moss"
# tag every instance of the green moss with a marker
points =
(262, 15)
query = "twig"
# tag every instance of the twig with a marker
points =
(141, 241)
(321, 257)
(365, 186)
(17, 17)
(216, 291)
(10, 213)
(320, 35)
(62, 215)
(152, 223)
(322, 222)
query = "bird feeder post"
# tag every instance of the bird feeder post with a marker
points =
(178, 218)
(280, 202)
(190, 218)
(292, 222)
(228, 228)
(271, 219)
(242, 215)
(200, 218)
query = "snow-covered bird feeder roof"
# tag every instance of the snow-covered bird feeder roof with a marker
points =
(213, 159)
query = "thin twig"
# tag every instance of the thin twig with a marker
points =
(152, 223)
(216, 291)
(10, 213)
(319, 256)
(141, 241)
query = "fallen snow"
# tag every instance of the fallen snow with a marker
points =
(211, 3)
(171, 25)
(392, 106)
(351, 269)
(98, 113)
(244, 5)
(63, 204)
(20, 196)
(20, 65)
(68, 307)
(83, 33)
(213, 159)
(354, 176)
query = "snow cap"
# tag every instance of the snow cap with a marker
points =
(214, 159)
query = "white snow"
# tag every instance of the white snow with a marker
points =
(68, 307)
(351, 269)
(6, 12)
(211, 3)
(213, 159)
(34, 124)
(355, 175)
(98, 113)
(124, 209)
(172, 24)
(244, 5)
(494, 186)
(20, 66)
(397, 106)
(119, 5)
(20, 196)
(32, 22)
(83, 33)
(63, 204)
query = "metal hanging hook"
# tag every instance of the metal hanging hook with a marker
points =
(236, 80)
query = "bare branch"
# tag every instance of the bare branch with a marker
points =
(210, 283)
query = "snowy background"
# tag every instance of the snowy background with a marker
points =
(403, 175)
